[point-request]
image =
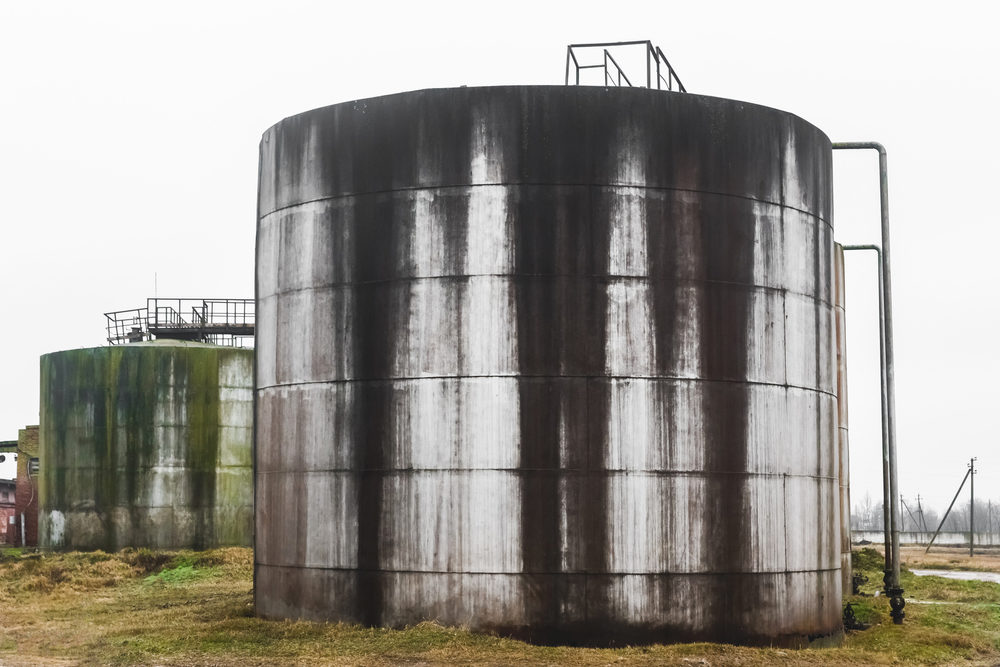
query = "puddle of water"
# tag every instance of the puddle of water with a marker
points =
(965, 575)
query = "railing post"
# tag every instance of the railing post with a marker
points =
(649, 70)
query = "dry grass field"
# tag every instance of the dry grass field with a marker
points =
(950, 558)
(195, 608)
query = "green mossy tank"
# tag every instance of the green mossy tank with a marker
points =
(146, 445)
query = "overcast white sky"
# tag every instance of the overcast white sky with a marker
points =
(129, 132)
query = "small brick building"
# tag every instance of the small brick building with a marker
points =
(27, 485)
(7, 511)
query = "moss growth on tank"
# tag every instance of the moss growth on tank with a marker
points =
(130, 446)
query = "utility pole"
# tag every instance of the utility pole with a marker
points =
(948, 511)
(920, 511)
(916, 526)
(972, 506)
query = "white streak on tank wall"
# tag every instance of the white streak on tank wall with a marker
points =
(686, 360)
(489, 308)
(329, 504)
(490, 304)
(439, 525)
(637, 534)
(687, 433)
(793, 193)
(311, 161)
(486, 157)
(766, 507)
(431, 413)
(429, 238)
(564, 461)
(82, 418)
(769, 246)
(627, 254)
(630, 349)
(159, 484)
(630, 340)
(57, 528)
(633, 426)
(462, 423)
(686, 550)
(489, 233)
(266, 341)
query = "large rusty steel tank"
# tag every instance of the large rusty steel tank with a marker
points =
(552, 362)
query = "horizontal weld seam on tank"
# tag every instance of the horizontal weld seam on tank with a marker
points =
(582, 573)
(375, 193)
(575, 276)
(516, 376)
(571, 472)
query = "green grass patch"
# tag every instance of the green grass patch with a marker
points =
(866, 610)
(941, 589)
(175, 575)
(10, 553)
(953, 621)
(867, 560)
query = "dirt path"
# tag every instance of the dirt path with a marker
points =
(952, 558)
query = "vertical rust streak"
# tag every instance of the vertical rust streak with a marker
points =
(543, 328)
(724, 349)
(596, 511)
(374, 327)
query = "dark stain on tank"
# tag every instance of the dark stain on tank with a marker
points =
(727, 253)
(539, 354)
(555, 325)
(374, 337)
(196, 386)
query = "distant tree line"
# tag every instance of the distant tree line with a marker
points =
(867, 515)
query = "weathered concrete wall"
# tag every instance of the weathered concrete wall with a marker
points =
(148, 444)
(945, 538)
(555, 362)
(843, 449)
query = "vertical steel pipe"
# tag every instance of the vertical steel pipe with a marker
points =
(843, 447)
(886, 496)
(896, 592)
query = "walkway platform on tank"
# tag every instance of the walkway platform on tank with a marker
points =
(218, 321)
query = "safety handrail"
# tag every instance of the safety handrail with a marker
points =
(219, 321)
(656, 63)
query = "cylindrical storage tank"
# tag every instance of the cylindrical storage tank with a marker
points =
(554, 362)
(146, 445)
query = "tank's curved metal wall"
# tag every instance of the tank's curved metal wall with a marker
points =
(146, 445)
(556, 362)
